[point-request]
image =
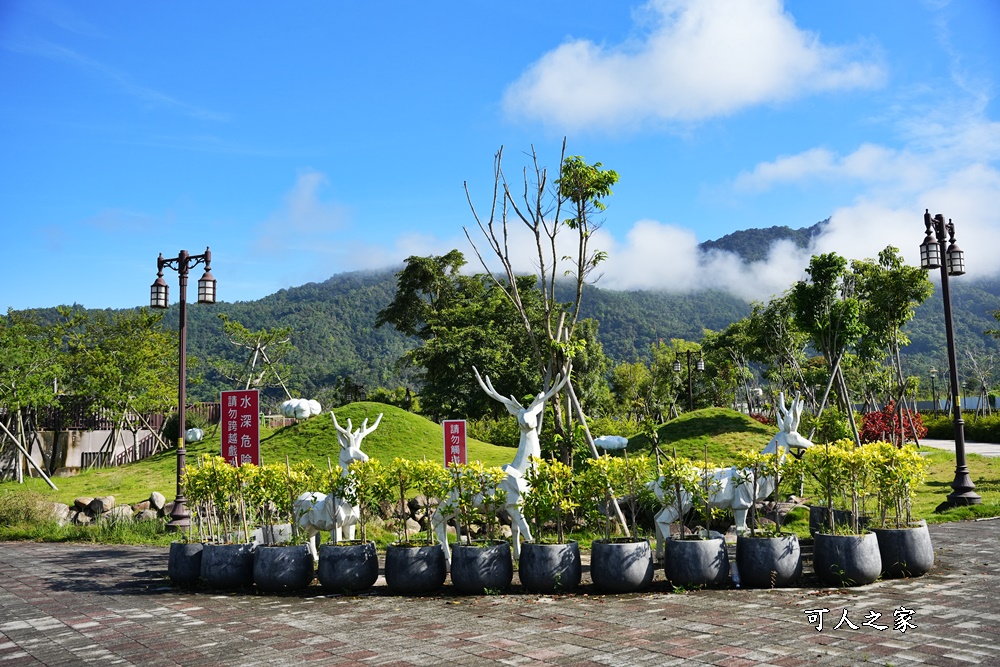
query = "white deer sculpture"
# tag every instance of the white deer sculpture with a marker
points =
(514, 485)
(734, 488)
(320, 512)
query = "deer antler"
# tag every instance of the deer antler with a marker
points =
(788, 418)
(364, 430)
(559, 383)
(345, 434)
(511, 403)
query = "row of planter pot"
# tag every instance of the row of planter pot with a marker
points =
(616, 566)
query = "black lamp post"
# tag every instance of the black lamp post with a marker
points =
(699, 366)
(932, 250)
(158, 298)
(934, 372)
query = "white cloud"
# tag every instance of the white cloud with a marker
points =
(874, 165)
(304, 224)
(700, 59)
(666, 257)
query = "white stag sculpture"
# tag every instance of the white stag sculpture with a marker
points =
(514, 485)
(733, 488)
(320, 512)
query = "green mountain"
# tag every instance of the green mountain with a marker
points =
(753, 245)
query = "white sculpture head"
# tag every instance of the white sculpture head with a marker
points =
(350, 441)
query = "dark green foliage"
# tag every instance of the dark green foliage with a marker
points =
(632, 322)
(191, 420)
(981, 429)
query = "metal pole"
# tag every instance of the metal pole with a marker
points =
(934, 394)
(180, 518)
(690, 384)
(963, 493)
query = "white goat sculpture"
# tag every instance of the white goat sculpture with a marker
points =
(515, 485)
(734, 488)
(316, 511)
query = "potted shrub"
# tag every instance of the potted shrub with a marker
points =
(692, 559)
(219, 511)
(280, 566)
(843, 555)
(904, 545)
(484, 564)
(416, 565)
(548, 566)
(617, 564)
(350, 566)
(766, 558)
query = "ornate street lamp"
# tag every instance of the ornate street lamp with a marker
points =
(699, 366)
(159, 298)
(931, 252)
(933, 371)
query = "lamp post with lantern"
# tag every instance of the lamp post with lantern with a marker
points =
(699, 366)
(932, 252)
(159, 298)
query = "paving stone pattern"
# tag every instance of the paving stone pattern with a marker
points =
(71, 604)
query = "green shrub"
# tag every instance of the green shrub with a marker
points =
(191, 420)
(502, 432)
(831, 426)
(983, 429)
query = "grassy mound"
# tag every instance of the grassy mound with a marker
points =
(400, 433)
(724, 431)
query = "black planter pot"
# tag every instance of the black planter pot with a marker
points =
(184, 564)
(347, 568)
(227, 565)
(413, 570)
(282, 568)
(477, 569)
(846, 560)
(696, 562)
(905, 552)
(768, 562)
(819, 522)
(621, 566)
(549, 568)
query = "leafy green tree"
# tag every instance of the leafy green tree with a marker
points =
(827, 308)
(463, 321)
(632, 385)
(31, 361)
(123, 362)
(426, 286)
(889, 291)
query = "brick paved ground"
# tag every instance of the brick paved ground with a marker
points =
(77, 604)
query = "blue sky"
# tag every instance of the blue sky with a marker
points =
(305, 139)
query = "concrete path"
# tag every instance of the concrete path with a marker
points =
(982, 448)
(72, 604)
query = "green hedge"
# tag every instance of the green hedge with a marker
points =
(983, 429)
